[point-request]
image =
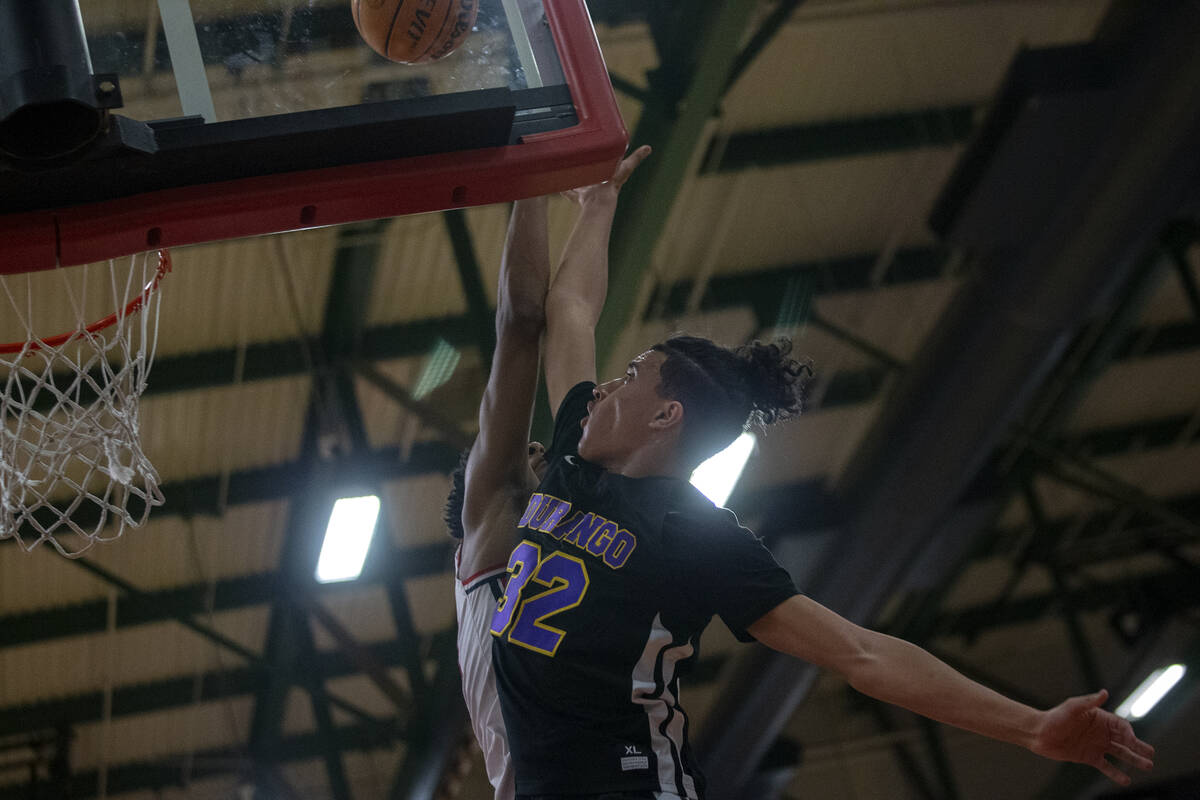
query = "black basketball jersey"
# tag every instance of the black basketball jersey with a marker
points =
(610, 587)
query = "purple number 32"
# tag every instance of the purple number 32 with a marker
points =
(521, 618)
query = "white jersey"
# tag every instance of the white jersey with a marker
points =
(475, 601)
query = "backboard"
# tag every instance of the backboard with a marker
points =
(230, 118)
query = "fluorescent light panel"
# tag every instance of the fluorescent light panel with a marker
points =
(717, 476)
(1153, 689)
(347, 538)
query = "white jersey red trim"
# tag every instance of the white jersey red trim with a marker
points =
(475, 602)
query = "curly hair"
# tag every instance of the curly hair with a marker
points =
(725, 391)
(453, 510)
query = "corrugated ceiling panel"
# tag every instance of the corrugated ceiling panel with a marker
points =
(806, 212)
(144, 737)
(224, 294)
(371, 772)
(243, 542)
(211, 431)
(833, 62)
(42, 579)
(309, 778)
(173, 550)
(77, 664)
(816, 444)
(415, 510)
(223, 787)
(417, 277)
(364, 612)
(1168, 303)
(629, 53)
(359, 690)
(729, 326)
(1165, 385)
(896, 319)
(298, 715)
(389, 423)
(431, 601)
(489, 227)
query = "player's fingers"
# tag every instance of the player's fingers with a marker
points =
(630, 163)
(1111, 772)
(1142, 751)
(1127, 755)
(1141, 748)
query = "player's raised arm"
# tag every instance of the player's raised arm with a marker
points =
(497, 466)
(903, 674)
(580, 285)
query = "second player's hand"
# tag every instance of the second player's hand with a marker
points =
(610, 188)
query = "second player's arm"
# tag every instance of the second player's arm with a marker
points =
(498, 462)
(901, 673)
(580, 285)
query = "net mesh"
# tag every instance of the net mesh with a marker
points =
(72, 469)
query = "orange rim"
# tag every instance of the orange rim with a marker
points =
(132, 307)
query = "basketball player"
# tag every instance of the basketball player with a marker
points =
(498, 475)
(621, 564)
(494, 481)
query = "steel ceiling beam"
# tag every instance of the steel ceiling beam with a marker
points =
(788, 510)
(470, 278)
(333, 428)
(437, 732)
(1175, 581)
(696, 59)
(179, 692)
(1104, 191)
(848, 138)
(766, 32)
(166, 772)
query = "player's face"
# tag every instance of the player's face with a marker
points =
(621, 411)
(537, 462)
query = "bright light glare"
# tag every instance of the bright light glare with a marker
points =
(1146, 696)
(351, 525)
(717, 476)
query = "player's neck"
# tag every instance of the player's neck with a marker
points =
(649, 460)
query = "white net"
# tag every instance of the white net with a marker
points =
(72, 470)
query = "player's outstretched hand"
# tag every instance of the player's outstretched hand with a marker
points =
(610, 187)
(1079, 730)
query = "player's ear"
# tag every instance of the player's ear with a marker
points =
(669, 414)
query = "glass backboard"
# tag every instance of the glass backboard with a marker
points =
(231, 118)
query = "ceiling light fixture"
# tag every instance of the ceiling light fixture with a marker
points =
(717, 476)
(1151, 690)
(347, 538)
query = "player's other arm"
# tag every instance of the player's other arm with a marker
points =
(497, 466)
(580, 285)
(903, 674)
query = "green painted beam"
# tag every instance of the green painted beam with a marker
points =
(470, 276)
(333, 415)
(168, 771)
(685, 92)
(809, 502)
(1178, 584)
(762, 289)
(846, 138)
(178, 692)
(175, 692)
(319, 700)
(767, 30)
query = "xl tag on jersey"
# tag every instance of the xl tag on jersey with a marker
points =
(633, 758)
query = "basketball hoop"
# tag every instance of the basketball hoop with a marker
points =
(72, 470)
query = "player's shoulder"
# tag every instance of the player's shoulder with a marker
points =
(695, 514)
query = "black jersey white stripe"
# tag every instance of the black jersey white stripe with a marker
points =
(654, 687)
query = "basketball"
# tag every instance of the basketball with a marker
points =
(414, 31)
